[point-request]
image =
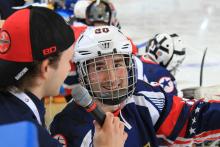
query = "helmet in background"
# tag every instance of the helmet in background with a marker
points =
(179, 53)
(92, 12)
(160, 49)
(166, 50)
(80, 8)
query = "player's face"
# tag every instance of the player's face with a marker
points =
(108, 76)
(58, 75)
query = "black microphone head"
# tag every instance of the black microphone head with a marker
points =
(81, 96)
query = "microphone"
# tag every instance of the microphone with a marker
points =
(82, 97)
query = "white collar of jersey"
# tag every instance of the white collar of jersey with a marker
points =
(28, 101)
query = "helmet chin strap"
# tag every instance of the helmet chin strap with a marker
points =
(106, 95)
(107, 107)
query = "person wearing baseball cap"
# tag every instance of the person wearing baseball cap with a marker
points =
(36, 46)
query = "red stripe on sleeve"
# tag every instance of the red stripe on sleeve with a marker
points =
(169, 123)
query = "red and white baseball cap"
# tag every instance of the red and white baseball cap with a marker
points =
(30, 34)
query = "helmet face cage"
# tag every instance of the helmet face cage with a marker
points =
(99, 13)
(109, 78)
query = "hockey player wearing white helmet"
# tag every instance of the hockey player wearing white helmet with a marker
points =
(169, 52)
(116, 80)
(93, 13)
(166, 50)
(160, 51)
(108, 74)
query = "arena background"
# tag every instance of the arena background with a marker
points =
(196, 21)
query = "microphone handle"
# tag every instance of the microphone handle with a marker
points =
(97, 113)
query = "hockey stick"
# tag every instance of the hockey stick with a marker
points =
(201, 68)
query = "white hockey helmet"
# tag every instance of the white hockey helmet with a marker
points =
(179, 53)
(167, 50)
(160, 49)
(92, 12)
(105, 42)
(103, 12)
(80, 8)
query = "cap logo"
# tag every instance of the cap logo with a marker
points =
(5, 42)
(50, 50)
(21, 73)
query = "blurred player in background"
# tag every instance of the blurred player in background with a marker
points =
(93, 13)
(167, 51)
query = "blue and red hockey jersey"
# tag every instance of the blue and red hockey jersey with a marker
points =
(151, 116)
(155, 75)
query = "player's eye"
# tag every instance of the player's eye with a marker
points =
(100, 68)
(118, 64)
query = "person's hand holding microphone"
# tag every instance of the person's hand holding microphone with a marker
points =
(109, 130)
